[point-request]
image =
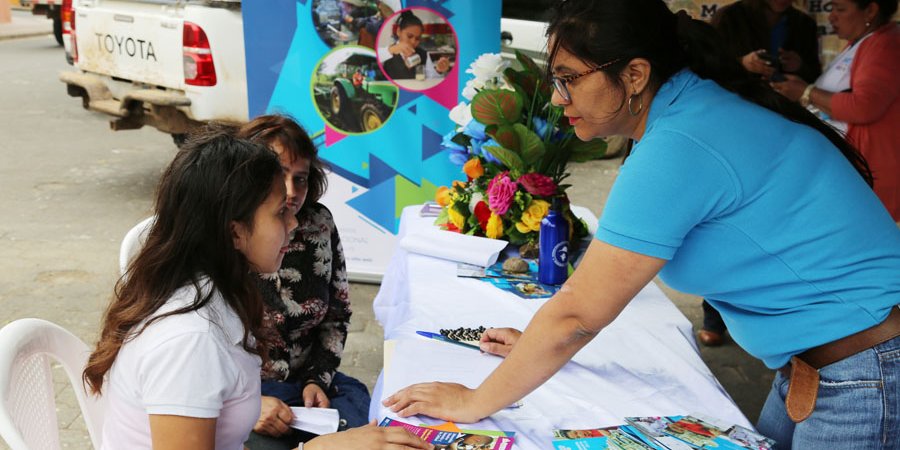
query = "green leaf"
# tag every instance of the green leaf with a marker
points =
(527, 63)
(507, 137)
(508, 157)
(497, 107)
(523, 82)
(531, 147)
(586, 151)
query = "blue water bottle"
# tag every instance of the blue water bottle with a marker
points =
(553, 259)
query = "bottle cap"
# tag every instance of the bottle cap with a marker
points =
(556, 203)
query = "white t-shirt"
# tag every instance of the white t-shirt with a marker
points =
(189, 365)
(836, 78)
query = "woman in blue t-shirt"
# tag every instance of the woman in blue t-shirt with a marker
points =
(731, 193)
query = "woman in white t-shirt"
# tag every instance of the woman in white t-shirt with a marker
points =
(179, 355)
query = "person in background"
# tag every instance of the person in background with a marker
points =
(770, 36)
(401, 63)
(307, 304)
(860, 91)
(358, 78)
(732, 192)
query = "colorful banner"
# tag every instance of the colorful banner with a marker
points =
(373, 82)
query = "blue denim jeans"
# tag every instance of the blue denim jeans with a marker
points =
(858, 406)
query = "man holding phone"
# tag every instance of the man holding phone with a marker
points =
(771, 38)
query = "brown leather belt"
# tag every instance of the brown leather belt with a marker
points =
(803, 370)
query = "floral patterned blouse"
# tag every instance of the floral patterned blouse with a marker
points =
(307, 303)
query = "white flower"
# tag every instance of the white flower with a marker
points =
(488, 74)
(333, 343)
(290, 274)
(321, 269)
(487, 66)
(323, 254)
(461, 114)
(291, 307)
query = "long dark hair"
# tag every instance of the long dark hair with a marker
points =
(214, 180)
(599, 31)
(293, 138)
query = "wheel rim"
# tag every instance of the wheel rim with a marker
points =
(336, 102)
(371, 121)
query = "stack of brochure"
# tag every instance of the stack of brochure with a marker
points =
(663, 433)
(525, 285)
(449, 436)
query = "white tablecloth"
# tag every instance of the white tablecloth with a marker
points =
(645, 363)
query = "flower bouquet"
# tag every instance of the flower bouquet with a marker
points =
(513, 148)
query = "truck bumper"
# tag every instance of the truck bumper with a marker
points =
(138, 107)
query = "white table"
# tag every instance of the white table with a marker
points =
(645, 363)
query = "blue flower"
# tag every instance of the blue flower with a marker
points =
(540, 127)
(458, 157)
(448, 143)
(486, 154)
(475, 130)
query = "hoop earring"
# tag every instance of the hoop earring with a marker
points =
(631, 104)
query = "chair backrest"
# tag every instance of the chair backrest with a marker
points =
(133, 241)
(27, 402)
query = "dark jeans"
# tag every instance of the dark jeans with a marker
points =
(347, 395)
(712, 320)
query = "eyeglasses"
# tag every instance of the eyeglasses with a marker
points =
(560, 83)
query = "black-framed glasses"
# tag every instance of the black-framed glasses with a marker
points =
(561, 83)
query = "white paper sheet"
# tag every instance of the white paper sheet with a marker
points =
(432, 241)
(315, 420)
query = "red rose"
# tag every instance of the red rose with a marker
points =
(537, 184)
(482, 213)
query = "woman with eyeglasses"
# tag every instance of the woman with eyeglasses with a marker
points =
(733, 193)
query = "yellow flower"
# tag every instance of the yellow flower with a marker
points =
(442, 196)
(531, 218)
(473, 169)
(494, 227)
(456, 218)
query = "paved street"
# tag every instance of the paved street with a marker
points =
(71, 189)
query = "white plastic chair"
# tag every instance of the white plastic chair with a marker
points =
(133, 241)
(27, 405)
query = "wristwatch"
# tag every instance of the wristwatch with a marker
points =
(804, 99)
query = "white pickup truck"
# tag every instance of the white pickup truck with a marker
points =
(174, 64)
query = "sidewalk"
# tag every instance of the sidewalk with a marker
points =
(24, 24)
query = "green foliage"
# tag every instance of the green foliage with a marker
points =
(497, 107)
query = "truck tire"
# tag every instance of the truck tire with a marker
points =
(340, 104)
(371, 118)
(57, 28)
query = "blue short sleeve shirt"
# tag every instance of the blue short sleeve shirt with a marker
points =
(762, 216)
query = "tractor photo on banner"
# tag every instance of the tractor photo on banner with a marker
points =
(373, 82)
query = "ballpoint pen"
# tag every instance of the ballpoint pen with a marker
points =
(440, 337)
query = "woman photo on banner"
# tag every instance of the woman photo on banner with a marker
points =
(859, 93)
(733, 193)
(406, 58)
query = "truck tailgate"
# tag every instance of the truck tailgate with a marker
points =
(136, 41)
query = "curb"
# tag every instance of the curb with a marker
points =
(26, 34)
